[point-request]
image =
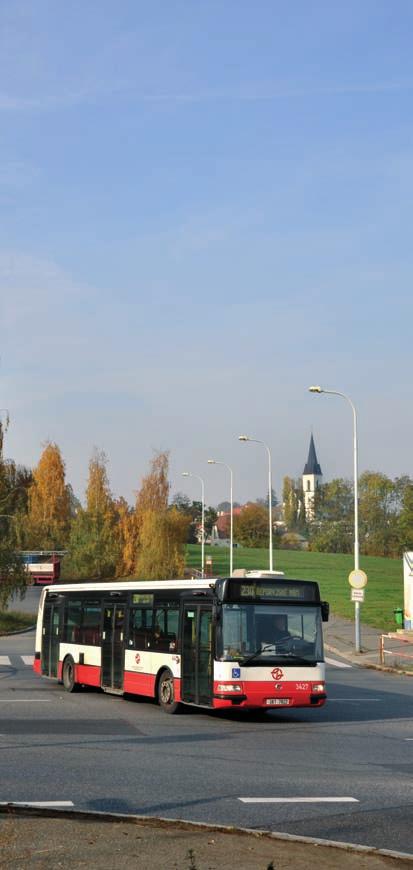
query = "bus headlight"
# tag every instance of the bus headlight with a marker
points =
(229, 687)
(318, 687)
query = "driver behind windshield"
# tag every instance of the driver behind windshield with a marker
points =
(273, 629)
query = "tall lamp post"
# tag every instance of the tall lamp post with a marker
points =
(318, 389)
(231, 533)
(189, 474)
(257, 441)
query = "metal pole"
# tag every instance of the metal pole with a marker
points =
(356, 507)
(356, 526)
(258, 441)
(203, 529)
(231, 533)
(270, 505)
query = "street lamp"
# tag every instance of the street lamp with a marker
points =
(189, 474)
(318, 389)
(257, 441)
(231, 534)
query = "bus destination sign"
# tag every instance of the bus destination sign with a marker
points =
(255, 590)
(267, 590)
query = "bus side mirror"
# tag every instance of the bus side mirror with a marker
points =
(325, 611)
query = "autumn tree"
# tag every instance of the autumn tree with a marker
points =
(293, 508)
(94, 547)
(251, 526)
(161, 530)
(405, 522)
(332, 529)
(126, 528)
(49, 502)
(378, 514)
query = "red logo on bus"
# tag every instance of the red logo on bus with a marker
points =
(137, 658)
(277, 674)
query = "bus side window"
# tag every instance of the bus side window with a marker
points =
(140, 627)
(73, 621)
(165, 635)
(90, 630)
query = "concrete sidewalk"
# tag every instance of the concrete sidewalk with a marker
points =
(339, 638)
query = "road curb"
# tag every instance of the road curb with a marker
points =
(21, 631)
(350, 657)
(18, 809)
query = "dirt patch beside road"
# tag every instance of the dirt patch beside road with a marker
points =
(47, 843)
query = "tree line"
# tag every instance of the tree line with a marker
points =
(385, 514)
(104, 538)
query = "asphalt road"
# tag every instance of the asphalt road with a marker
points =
(104, 752)
(28, 604)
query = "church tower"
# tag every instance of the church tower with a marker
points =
(312, 478)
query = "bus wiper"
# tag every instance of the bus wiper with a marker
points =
(257, 653)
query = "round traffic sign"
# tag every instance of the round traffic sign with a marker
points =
(357, 579)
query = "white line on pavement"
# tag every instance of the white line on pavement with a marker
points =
(25, 700)
(4, 660)
(37, 803)
(299, 800)
(360, 700)
(28, 660)
(336, 664)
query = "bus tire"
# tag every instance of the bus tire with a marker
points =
(166, 694)
(68, 675)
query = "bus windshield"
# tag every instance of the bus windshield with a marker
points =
(265, 633)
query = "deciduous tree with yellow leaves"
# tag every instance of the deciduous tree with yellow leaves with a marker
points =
(48, 520)
(162, 531)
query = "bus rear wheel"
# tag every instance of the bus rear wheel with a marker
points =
(69, 675)
(166, 694)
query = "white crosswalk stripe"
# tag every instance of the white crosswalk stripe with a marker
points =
(28, 660)
(6, 661)
(336, 664)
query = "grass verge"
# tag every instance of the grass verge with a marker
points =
(14, 621)
(384, 591)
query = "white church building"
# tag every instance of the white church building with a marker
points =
(312, 478)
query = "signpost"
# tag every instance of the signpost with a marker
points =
(358, 582)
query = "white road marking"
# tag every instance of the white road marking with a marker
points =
(37, 803)
(25, 700)
(4, 660)
(299, 800)
(28, 660)
(360, 700)
(336, 664)
(408, 738)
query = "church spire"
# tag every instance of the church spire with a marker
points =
(312, 466)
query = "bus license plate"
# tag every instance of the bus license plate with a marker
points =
(277, 702)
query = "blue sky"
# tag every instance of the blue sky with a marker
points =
(204, 208)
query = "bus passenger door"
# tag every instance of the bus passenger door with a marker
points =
(50, 638)
(113, 648)
(197, 655)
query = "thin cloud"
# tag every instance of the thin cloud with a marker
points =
(82, 96)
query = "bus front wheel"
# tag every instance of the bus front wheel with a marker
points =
(69, 675)
(166, 694)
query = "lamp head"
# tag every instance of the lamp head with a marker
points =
(243, 438)
(185, 474)
(316, 389)
(211, 461)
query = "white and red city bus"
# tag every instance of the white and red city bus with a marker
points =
(244, 642)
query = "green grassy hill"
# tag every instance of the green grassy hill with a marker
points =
(384, 591)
